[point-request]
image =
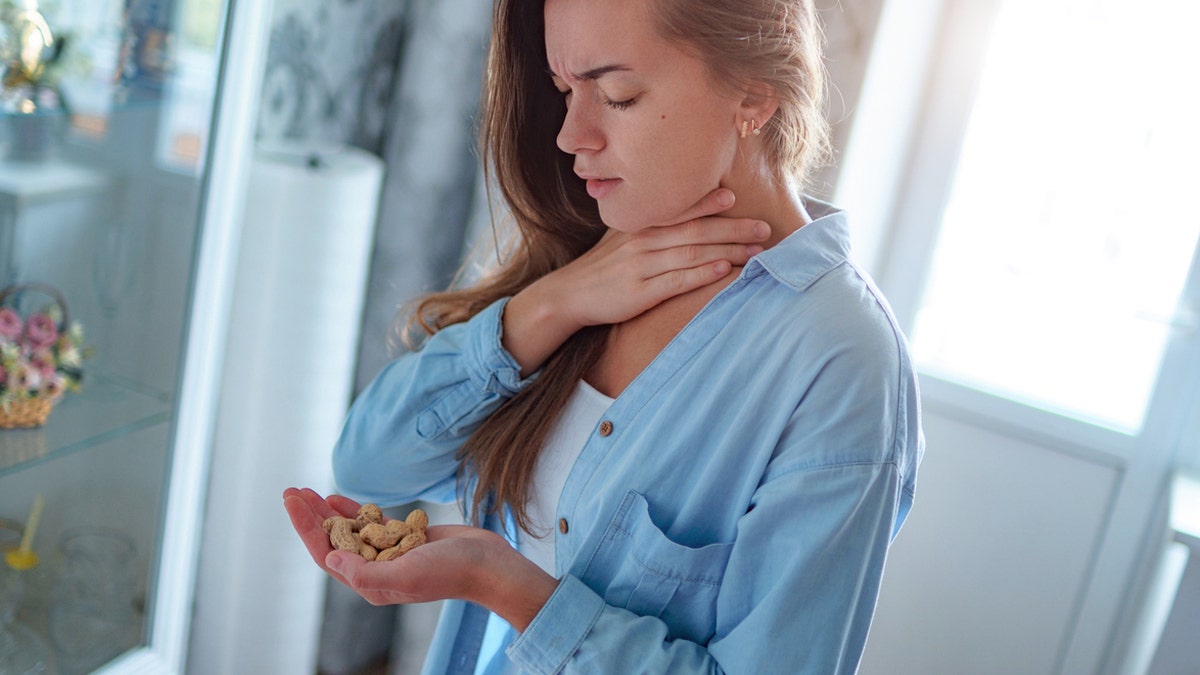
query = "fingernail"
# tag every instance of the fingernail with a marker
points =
(762, 230)
(334, 562)
(725, 198)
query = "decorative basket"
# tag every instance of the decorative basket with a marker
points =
(31, 409)
(26, 413)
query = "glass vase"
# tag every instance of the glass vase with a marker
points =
(92, 614)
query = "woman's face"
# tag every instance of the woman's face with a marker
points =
(649, 133)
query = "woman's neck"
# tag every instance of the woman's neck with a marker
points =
(763, 197)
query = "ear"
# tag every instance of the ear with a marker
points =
(759, 102)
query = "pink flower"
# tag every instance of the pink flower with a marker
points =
(40, 330)
(10, 323)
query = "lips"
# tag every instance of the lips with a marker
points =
(599, 187)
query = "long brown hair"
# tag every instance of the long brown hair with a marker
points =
(771, 42)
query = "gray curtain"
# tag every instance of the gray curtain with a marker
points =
(429, 192)
(430, 203)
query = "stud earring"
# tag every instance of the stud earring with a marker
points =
(745, 127)
(757, 129)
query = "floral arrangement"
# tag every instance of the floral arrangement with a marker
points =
(31, 59)
(37, 360)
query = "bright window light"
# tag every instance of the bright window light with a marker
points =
(1072, 220)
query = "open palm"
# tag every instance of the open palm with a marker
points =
(448, 566)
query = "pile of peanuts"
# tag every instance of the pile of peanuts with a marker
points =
(367, 535)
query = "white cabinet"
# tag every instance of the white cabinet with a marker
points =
(134, 222)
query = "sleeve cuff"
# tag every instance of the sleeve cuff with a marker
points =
(501, 372)
(558, 629)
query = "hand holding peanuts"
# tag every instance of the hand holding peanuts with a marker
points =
(367, 535)
(458, 561)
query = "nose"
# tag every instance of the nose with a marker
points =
(580, 129)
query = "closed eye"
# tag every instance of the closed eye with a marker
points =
(591, 76)
(619, 105)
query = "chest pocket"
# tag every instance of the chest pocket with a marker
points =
(642, 570)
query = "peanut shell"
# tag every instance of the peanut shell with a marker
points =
(379, 536)
(398, 529)
(411, 541)
(417, 519)
(342, 538)
(388, 554)
(369, 513)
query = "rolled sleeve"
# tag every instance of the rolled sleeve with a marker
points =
(495, 371)
(403, 433)
(559, 628)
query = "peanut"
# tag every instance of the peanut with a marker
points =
(367, 535)
(398, 529)
(417, 520)
(369, 513)
(341, 537)
(379, 536)
(411, 541)
(328, 524)
(388, 554)
(366, 550)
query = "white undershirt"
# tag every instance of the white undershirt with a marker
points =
(563, 445)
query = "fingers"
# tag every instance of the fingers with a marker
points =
(344, 506)
(699, 255)
(680, 281)
(307, 510)
(710, 204)
(307, 523)
(691, 265)
(359, 575)
(703, 231)
(314, 500)
(383, 583)
(302, 513)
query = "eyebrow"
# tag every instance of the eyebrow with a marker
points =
(594, 73)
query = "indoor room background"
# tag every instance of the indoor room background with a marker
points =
(234, 199)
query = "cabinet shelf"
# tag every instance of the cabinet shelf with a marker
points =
(106, 408)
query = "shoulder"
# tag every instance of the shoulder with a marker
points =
(839, 314)
(835, 353)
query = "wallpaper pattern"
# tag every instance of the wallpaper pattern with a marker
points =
(330, 70)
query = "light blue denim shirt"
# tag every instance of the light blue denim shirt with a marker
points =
(732, 511)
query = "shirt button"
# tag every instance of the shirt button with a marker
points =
(562, 525)
(606, 428)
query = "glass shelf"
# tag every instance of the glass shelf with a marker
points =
(107, 408)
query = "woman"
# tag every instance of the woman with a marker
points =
(701, 433)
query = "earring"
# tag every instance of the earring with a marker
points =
(757, 129)
(745, 127)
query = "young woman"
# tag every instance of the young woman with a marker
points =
(688, 438)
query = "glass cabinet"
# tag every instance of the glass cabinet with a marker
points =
(118, 179)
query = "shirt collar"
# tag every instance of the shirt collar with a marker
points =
(809, 252)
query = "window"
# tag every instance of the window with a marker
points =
(1071, 222)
